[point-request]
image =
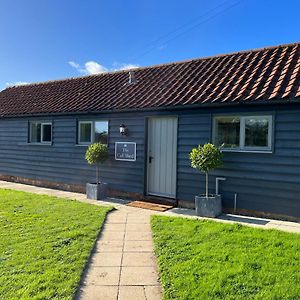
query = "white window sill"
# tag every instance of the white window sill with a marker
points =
(82, 145)
(85, 145)
(39, 144)
(247, 151)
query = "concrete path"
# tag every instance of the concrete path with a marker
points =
(123, 265)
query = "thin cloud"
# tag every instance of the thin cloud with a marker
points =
(74, 64)
(16, 83)
(123, 66)
(92, 67)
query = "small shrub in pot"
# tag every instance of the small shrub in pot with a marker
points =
(96, 154)
(205, 159)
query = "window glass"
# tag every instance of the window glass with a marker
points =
(256, 131)
(101, 132)
(35, 136)
(228, 132)
(47, 132)
(85, 130)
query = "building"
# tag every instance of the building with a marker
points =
(249, 101)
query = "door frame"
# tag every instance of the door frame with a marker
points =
(146, 154)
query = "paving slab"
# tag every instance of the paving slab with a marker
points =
(116, 218)
(107, 259)
(99, 292)
(102, 276)
(139, 276)
(138, 246)
(113, 227)
(138, 236)
(109, 246)
(133, 219)
(139, 259)
(153, 292)
(112, 236)
(138, 227)
(132, 292)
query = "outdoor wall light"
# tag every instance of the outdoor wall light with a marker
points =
(123, 129)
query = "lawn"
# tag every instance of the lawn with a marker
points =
(44, 244)
(210, 260)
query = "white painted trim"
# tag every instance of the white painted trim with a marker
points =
(41, 133)
(247, 151)
(242, 147)
(93, 124)
(270, 132)
(242, 133)
(79, 129)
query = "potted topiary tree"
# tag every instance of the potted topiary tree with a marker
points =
(206, 158)
(96, 154)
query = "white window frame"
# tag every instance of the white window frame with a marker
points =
(79, 128)
(92, 140)
(242, 147)
(41, 137)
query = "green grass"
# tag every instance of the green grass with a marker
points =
(44, 244)
(210, 260)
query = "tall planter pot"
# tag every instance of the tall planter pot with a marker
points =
(208, 207)
(96, 191)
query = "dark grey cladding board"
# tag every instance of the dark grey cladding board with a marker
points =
(64, 161)
(263, 182)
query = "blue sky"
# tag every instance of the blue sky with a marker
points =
(44, 40)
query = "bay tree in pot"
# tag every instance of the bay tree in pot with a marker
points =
(96, 154)
(207, 158)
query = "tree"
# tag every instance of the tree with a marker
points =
(97, 154)
(206, 158)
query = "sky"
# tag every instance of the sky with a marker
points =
(54, 39)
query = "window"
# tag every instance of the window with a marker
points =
(85, 132)
(92, 132)
(101, 132)
(228, 132)
(253, 133)
(40, 133)
(46, 133)
(256, 132)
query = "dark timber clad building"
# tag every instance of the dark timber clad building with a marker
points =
(249, 101)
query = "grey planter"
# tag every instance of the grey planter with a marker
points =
(96, 191)
(208, 207)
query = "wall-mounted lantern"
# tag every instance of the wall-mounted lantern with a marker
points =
(123, 129)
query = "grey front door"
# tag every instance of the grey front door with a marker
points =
(162, 156)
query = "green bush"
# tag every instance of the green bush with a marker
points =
(97, 154)
(206, 158)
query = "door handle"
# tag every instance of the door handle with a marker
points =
(150, 159)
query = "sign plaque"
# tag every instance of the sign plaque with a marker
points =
(125, 151)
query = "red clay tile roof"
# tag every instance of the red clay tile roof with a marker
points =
(261, 75)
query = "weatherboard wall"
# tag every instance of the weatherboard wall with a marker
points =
(63, 161)
(267, 182)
